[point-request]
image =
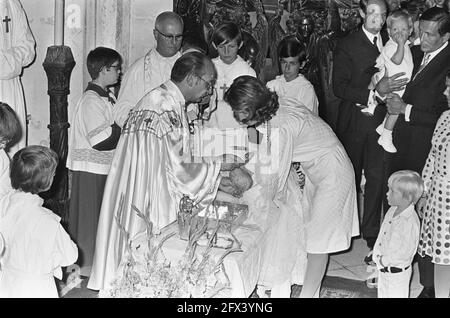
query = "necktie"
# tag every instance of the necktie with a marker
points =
(425, 61)
(375, 42)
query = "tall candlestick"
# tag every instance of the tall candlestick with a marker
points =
(59, 22)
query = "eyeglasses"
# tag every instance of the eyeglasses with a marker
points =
(118, 67)
(209, 85)
(169, 37)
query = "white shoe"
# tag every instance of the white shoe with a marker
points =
(387, 144)
(380, 129)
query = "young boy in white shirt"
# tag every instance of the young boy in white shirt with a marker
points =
(227, 40)
(398, 238)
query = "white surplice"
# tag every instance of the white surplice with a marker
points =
(152, 170)
(223, 118)
(36, 247)
(299, 89)
(145, 74)
(17, 50)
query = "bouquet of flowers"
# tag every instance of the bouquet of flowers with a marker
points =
(145, 272)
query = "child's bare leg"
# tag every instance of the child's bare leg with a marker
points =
(441, 280)
(315, 270)
(390, 122)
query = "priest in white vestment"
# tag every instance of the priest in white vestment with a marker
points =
(154, 68)
(17, 50)
(152, 167)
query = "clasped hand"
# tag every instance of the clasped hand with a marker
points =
(395, 104)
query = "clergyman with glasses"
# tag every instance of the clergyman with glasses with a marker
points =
(153, 167)
(154, 68)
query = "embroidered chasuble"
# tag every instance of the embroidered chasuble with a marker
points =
(152, 170)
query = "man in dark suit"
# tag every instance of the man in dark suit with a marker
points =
(421, 106)
(354, 65)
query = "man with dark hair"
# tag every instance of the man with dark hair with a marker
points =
(153, 168)
(153, 69)
(420, 107)
(354, 61)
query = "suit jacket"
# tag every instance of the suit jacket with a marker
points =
(425, 93)
(353, 68)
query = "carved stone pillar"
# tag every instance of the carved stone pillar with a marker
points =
(58, 65)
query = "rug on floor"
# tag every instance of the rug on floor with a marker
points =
(332, 287)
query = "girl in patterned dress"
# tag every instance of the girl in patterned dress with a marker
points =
(435, 230)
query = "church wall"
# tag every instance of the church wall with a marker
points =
(125, 25)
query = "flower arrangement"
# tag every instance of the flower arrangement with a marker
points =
(145, 272)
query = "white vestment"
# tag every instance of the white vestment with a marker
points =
(36, 247)
(17, 50)
(299, 89)
(152, 169)
(223, 118)
(144, 75)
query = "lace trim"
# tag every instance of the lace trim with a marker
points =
(93, 156)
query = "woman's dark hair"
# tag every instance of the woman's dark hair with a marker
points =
(101, 57)
(10, 129)
(191, 63)
(32, 169)
(249, 94)
(291, 47)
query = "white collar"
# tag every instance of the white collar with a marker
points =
(434, 53)
(406, 213)
(371, 36)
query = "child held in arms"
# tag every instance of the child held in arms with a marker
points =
(395, 57)
(36, 245)
(398, 238)
(235, 184)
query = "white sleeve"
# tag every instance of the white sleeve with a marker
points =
(408, 112)
(65, 252)
(93, 117)
(13, 59)
(131, 91)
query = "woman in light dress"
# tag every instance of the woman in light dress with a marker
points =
(328, 218)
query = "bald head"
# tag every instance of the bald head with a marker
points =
(168, 33)
(168, 17)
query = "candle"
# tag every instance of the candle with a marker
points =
(59, 22)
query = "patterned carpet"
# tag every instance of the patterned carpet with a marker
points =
(332, 287)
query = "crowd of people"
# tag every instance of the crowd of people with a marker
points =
(299, 178)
